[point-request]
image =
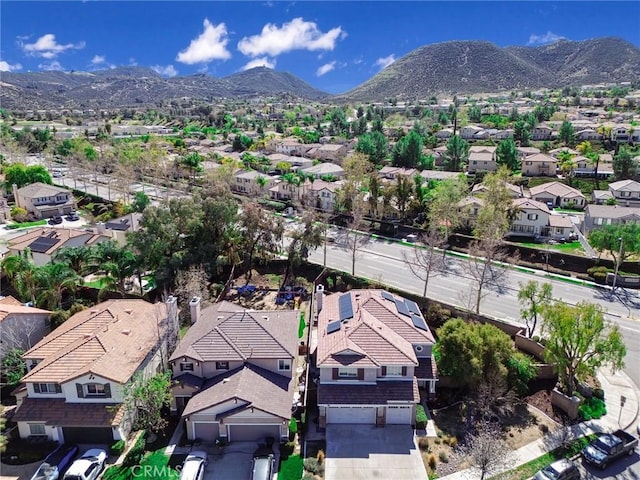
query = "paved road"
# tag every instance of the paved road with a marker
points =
(383, 261)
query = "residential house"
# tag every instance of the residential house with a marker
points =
(444, 134)
(541, 132)
(532, 218)
(515, 191)
(323, 195)
(44, 242)
(44, 201)
(392, 173)
(233, 373)
(588, 134)
(598, 215)
(470, 207)
(324, 169)
(284, 190)
(539, 165)
(625, 133)
(76, 375)
(524, 152)
(468, 132)
(556, 151)
(626, 192)
(295, 162)
(601, 197)
(21, 326)
(374, 352)
(118, 228)
(246, 183)
(438, 175)
(558, 194)
(561, 228)
(289, 146)
(503, 134)
(329, 152)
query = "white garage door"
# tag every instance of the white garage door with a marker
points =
(352, 415)
(399, 415)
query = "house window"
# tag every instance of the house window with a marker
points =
(36, 429)
(532, 216)
(284, 365)
(347, 372)
(394, 371)
(95, 389)
(597, 221)
(222, 365)
(45, 388)
(186, 367)
(625, 194)
(558, 230)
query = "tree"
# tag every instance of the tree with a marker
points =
(579, 341)
(408, 150)
(620, 240)
(426, 260)
(77, 258)
(624, 165)
(487, 268)
(21, 175)
(567, 133)
(13, 367)
(140, 201)
(497, 212)
(485, 450)
(444, 214)
(374, 145)
(115, 264)
(586, 149)
(507, 154)
(23, 274)
(402, 191)
(147, 398)
(54, 280)
(303, 240)
(355, 239)
(261, 234)
(456, 155)
(533, 297)
(567, 165)
(522, 133)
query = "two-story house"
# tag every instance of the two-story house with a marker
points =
(626, 192)
(482, 159)
(374, 352)
(324, 169)
(539, 165)
(323, 195)
(76, 375)
(44, 201)
(558, 195)
(531, 220)
(597, 216)
(330, 152)
(233, 373)
(248, 183)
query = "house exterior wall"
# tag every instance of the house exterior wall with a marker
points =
(50, 432)
(524, 225)
(538, 169)
(70, 392)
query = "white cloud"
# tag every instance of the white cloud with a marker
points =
(384, 62)
(260, 62)
(55, 65)
(544, 39)
(7, 67)
(47, 47)
(326, 68)
(133, 62)
(211, 44)
(168, 71)
(295, 35)
(98, 59)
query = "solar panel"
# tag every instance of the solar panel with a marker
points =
(43, 244)
(387, 296)
(345, 306)
(412, 306)
(333, 326)
(419, 322)
(402, 307)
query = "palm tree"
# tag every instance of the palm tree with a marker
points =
(116, 264)
(55, 279)
(586, 150)
(292, 180)
(567, 165)
(77, 258)
(262, 182)
(23, 274)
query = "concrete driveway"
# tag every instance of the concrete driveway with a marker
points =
(234, 463)
(364, 452)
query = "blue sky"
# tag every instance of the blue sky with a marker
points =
(333, 45)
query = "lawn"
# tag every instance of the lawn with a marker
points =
(98, 283)
(291, 468)
(154, 465)
(574, 248)
(16, 225)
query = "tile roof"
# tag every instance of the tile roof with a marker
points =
(541, 157)
(379, 394)
(9, 307)
(611, 211)
(557, 189)
(55, 411)
(63, 235)
(227, 332)
(377, 332)
(257, 387)
(522, 203)
(625, 186)
(39, 189)
(110, 339)
(562, 221)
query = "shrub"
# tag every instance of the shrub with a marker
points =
(136, 451)
(432, 462)
(19, 214)
(443, 457)
(598, 393)
(423, 444)
(118, 447)
(421, 417)
(599, 274)
(453, 442)
(592, 408)
(521, 372)
(312, 465)
(293, 426)
(320, 456)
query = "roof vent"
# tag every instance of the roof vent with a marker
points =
(94, 311)
(129, 311)
(220, 317)
(126, 332)
(225, 380)
(265, 318)
(88, 335)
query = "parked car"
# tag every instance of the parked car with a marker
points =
(561, 470)
(73, 216)
(88, 466)
(56, 463)
(608, 447)
(55, 220)
(262, 467)
(193, 466)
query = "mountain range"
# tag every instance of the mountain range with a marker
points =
(455, 67)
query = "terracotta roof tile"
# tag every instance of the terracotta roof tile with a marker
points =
(55, 411)
(379, 394)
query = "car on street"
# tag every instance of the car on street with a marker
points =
(561, 470)
(56, 463)
(88, 466)
(194, 466)
(609, 447)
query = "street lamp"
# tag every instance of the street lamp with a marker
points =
(615, 272)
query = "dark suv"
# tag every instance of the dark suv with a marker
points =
(56, 220)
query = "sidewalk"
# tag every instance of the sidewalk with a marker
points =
(615, 386)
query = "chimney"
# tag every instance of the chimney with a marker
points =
(16, 198)
(319, 297)
(172, 311)
(100, 227)
(194, 308)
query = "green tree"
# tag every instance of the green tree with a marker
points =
(22, 175)
(444, 214)
(374, 145)
(533, 297)
(13, 367)
(621, 240)
(55, 279)
(475, 114)
(115, 264)
(303, 241)
(456, 155)
(147, 399)
(586, 149)
(507, 154)
(23, 275)
(579, 341)
(140, 201)
(261, 233)
(408, 150)
(624, 165)
(402, 192)
(567, 133)
(522, 133)
(567, 165)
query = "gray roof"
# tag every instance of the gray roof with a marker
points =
(625, 186)
(611, 211)
(224, 333)
(39, 189)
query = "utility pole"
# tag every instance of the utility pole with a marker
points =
(615, 272)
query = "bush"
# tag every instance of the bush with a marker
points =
(592, 408)
(521, 372)
(312, 465)
(443, 457)
(598, 393)
(599, 274)
(136, 451)
(320, 456)
(421, 417)
(432, 462)
(118, 447)
(293, 426)
(19, 214)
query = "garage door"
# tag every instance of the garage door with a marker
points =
(352, 415)
(399, 415)
(253, 433)
(207, 432)
(87, 435)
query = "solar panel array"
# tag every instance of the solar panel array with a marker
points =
(402, 308)
(412, 306)
(345, 306)
(387, 296)
(419, 322)
(43, 244)
(333, 326)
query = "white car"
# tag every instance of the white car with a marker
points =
(193, 466)
(88, 466)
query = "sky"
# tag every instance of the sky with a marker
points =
(332, 45)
